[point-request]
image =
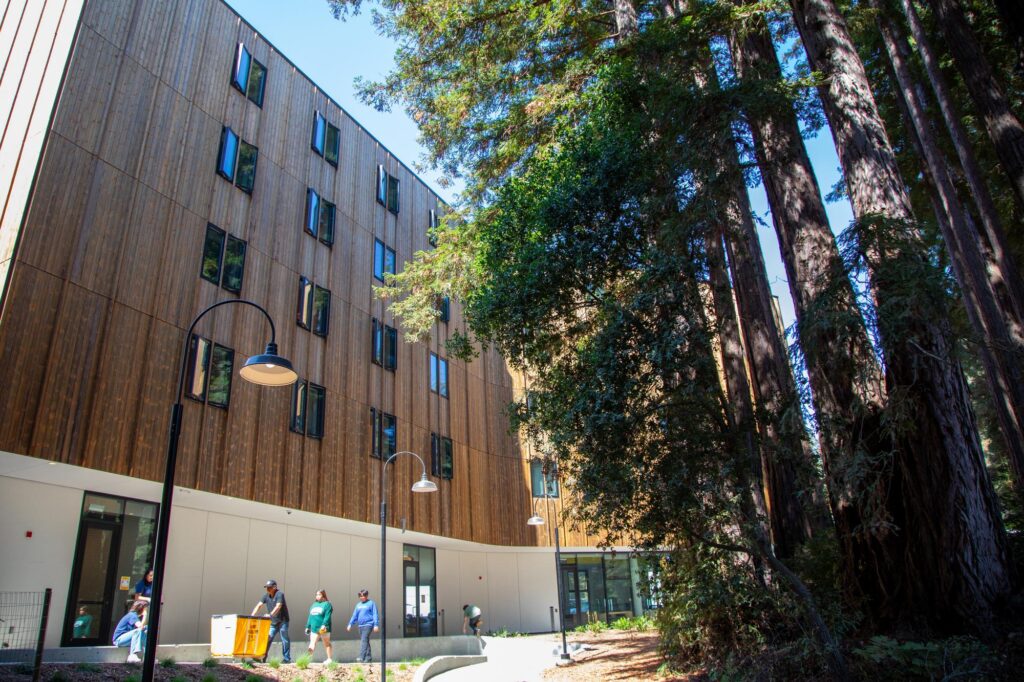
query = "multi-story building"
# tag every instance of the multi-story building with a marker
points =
(158, 156)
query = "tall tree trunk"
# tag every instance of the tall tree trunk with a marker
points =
(845, 378)
(1002, 270)
(1000, 353)
(954, 563)
(626, 21)
(1004, 128)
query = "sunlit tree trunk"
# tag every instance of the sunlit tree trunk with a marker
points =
(953, 566)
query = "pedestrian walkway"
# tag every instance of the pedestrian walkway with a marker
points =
(509, 659)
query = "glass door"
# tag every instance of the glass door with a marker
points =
(419, 578)
(412, 602)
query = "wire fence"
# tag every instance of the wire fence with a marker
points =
(23, 618)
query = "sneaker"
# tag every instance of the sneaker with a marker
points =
(134, 658)
(328, 661)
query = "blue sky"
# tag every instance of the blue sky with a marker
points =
(333, 53)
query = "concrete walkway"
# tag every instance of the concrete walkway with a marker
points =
(509, 659)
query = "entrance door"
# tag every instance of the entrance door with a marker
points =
(412, 601)
(419, 580)
(576, 588)
(114, 551)
(92, 590)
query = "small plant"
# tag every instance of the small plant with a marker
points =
(247, 664)
(253, 678)
(302, 662)
(622, 623)
(209, 677)
(179, 678)
(274, 663)
(360, 677)
(130, 678)
(59, 677)
(211, 663)
(168, 662)
(87, 667)
(403, 666)
(332, 666)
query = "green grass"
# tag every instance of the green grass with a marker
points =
(332, 666)
(87, 667)
(246, 664)
(302, 662)
(168, 663)
(403, 666)
(253, 678)
(274, 663)
(179, 678)
(209, 677)
(211, 663)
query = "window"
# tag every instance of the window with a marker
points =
(308, 400)
(332, 145)
(443, 305)
(249, 76)
(432, 228)
(321, 310)
(384, 436)
(319, 132)
(442, 460)
(236, 161)
(326, 227)
(439, 375)
(383, 260)
(312, 211)
(384, 345)
(538, 477)
(209, 371)
(304, 311)
(223, 259)
(387, 190)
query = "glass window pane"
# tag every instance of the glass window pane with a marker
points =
(312, 211)
(327, 214)
(240, 77)
(222, 364)
(321, 311)
(234, 264)
(390, 435)
(447, 458)
(435, 454)
(433, 373)
(247, 156)
(389, 261)
(382, 186)
(228, 154)
(333, 144)
(257, 82)
(390, 348)
(319, 128)
(298, 423)
(198, 366)
(375, 433)
(378, 259)
(442, 377)
(315, 412)
(393, 194)
(304, 312)
(213, 247)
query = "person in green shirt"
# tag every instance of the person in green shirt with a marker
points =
(318, 625)
(83, 624)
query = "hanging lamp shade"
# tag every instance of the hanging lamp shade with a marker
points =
(269, 369)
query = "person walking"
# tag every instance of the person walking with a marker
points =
(365, 617)
(277, 608)
(472, 617)
(318, 625)
(131, 631)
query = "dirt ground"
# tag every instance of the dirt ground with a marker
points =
(616, 656)
(224, 672)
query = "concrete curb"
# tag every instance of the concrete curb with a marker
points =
(442, 664)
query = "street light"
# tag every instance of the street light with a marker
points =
(268, 369)
(538, 520)
(424, 485)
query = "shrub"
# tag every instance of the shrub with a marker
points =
(247, 664)
(209, 677)
(274, 663)
(332, 666)
(87, 667)
(889, 659)
(168, 662)
(622, 624)
(211, 663)
(302, 662)
(253, 678)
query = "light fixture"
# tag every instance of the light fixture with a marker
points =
(424, 485)
(535, 520)
(269, 369)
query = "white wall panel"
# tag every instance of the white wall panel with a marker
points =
(502, 578)
(183, 579)
(224, 587)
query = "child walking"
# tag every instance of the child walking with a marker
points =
(318, 625)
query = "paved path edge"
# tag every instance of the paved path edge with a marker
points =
(442, 664)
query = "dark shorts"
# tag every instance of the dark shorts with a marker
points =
(475, 623)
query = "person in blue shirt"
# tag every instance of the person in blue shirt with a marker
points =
(364, 616)
(144, 588)
(131, 631)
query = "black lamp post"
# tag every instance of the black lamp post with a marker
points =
(424, 485)
(538, 520)
(268, 369)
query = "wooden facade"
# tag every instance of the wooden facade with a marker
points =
(104, 279)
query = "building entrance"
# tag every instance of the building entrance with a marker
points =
(419, 578)
(114, 551)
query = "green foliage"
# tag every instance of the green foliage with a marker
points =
(274, 663)
(332, 666)
(403, 666)
(593, 625)
(889, 659)
(633, 624)
(504, 632)
(253, 678)
(209, 677)
(210, 662)
(168, 662)
(59, 676)
(247, 664)
(88, 667)
(302, 662)
(179, 678)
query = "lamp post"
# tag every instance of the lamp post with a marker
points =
(538, 520)
(424, 485)
(268, 369)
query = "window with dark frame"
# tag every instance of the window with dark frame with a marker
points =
(227, 157)
(234, 264)
(321, 310)
(443, 305)
(538, 476)
(213, 254)
(377, 343)
(387, 190)
(312, 211)
(375, 420)
(308, 405)
(332, 145)
(209, 371)
(393, 194)
(384, 434)
(328, 212)
(319, 133)
(245, 176)
(438, 375)
(432, 228)
(223, 259)
(384, 260)
(390, 348)
(442, 460)
(236, 160)
(249, 76)
(304, 310)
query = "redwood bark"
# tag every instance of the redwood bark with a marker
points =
(1004, 128)
(998, 350)
(953, 563)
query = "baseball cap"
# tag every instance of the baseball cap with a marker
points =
(270, 583)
